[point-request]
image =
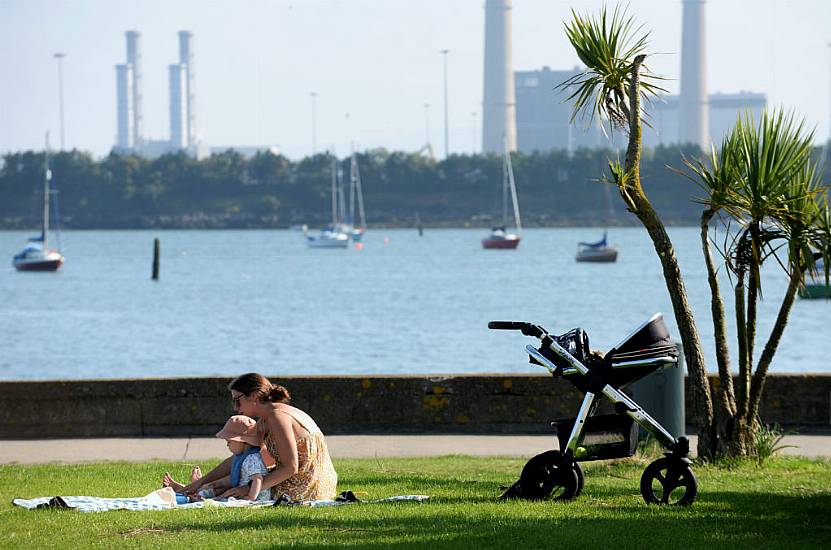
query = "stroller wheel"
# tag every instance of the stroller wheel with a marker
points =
(581, 479)
(669, 481)
(547, 475)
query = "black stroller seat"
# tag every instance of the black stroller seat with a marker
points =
(647, 349)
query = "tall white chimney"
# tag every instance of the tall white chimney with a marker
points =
(186, 59)
(694, 117)
(134, 60)
(178, 105)
(498, 103)
(124, 103)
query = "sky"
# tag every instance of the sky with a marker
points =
(373, 64)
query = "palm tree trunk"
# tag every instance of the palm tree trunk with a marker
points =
(726, 400)
(631, 185)
(758, 383)
(754, 284)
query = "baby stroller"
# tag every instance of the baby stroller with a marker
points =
(667, 480)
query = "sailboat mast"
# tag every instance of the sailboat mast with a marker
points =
(47, 176)
(334, 193)
(512, 184)
(352, 167)
(360, 193)
(505, 189)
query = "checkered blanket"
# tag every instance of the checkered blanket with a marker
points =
(165, 499)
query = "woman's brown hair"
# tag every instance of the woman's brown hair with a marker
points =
(258, 387)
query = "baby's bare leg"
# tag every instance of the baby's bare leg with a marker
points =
(168, 481)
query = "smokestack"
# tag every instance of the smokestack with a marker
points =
(498, 104)
(186, 59)
(178, 105)
(134, 60)
(694, 117)
(124, 103)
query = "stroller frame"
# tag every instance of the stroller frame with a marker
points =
(644, 351)
(620, 400)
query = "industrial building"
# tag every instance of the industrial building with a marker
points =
(130, 136)
(544, 116)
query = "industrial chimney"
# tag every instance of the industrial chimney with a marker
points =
(694, 122)
(134, 61)
(498, 104)
(186, 59)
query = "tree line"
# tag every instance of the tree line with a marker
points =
(227, 190)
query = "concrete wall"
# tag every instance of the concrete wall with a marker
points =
(498, 403)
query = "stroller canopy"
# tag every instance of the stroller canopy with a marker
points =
(649, 340)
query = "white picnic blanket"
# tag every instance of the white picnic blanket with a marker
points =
(165, 499)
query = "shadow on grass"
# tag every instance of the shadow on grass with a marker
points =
(719, 520)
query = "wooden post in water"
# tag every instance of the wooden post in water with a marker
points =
(155, 259)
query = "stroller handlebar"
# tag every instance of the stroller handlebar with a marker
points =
(528, 329)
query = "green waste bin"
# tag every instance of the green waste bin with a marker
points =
(662, 395)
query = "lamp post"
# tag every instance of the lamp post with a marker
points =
(473, 133)
(314, 122)
(59, 56)
(446, 132)
(426, 124)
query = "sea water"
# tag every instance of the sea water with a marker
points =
(229, 302)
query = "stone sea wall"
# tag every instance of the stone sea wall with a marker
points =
(488, 403)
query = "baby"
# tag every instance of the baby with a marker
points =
(247, 467)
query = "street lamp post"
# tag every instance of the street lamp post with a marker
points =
(473, 133)
(59, 56)
(314, 122)
(426, 124)
(446, 132)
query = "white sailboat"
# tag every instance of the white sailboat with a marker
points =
(500, 238)
(331, 236)
(356, 192)
(36, 256)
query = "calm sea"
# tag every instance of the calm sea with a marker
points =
(235, 301)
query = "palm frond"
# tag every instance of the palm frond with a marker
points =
(607, 46)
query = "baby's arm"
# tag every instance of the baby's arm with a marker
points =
(256, 486)
(219, 486)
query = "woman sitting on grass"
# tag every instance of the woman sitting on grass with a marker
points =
(304, 470)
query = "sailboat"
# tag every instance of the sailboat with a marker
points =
(815, 286)
(331, 236)
(499, 237)
(599, 251)
(36, 255)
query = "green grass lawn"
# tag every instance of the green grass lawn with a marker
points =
(786, 503)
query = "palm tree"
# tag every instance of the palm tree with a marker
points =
(766, 185)
(612, 87)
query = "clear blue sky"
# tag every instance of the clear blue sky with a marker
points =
(376, 60)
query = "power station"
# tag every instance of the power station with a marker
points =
(130, 122)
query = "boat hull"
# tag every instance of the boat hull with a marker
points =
(39, 265)
(501, 244)
(815, 291)
(604, 255)
(328, 241)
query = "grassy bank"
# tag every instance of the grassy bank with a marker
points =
(784, 503)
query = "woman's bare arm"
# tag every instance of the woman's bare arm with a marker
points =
(282, 433)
